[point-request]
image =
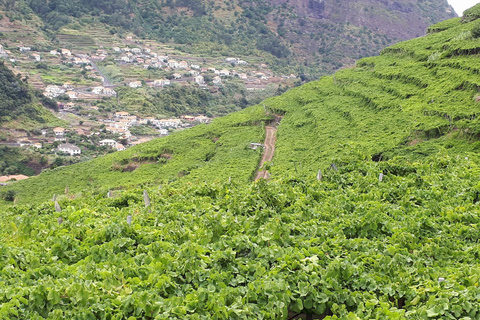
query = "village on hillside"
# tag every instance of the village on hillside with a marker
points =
(80, 80)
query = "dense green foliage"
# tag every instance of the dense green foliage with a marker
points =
(13, 161)
(348, 246)
(15, 97)
(213, 245)
(19, 102)
(179, 100)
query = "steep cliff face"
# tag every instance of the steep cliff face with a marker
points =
(340, 31)
(400, 19)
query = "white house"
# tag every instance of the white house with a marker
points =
(108, 142)
(137, 50)
(109, 92)
(163, 132)
(202, 119)
(120, 147)
(59, 131)
(163, 123)
(183, 64)
(224, 72)
(54, 91)
(177, 75)
(195, 66)
(36, 56)
(66, 52)
(199, 80)
(116, 49)
(25, 49)
(70, 149)
(121, 114)
(72, 95)
(173, 64)
(217, 80)
(231, 60)
(135, 84)
(97, 90)
(161, 82)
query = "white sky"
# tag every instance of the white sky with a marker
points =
(462, 5)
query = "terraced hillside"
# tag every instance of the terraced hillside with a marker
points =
(417, 98)
(301, 36)
(388, 230)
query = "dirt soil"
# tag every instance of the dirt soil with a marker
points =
(268, 152)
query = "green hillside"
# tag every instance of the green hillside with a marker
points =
(20, 107)
(417, 98)
(389, 232)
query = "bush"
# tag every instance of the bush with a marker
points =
(9, 195)
(476, 31)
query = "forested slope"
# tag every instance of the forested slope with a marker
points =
(19, 104)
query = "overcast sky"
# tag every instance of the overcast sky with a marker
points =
(462, 5)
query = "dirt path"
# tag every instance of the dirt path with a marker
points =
(268, 152)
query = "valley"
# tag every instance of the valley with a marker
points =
(354, 196)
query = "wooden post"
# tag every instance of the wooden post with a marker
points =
(380, 177)
(129, 220)
(109, 194)
(319, 175)
(57, 207)
(146, 198)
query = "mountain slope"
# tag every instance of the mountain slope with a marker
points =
(310, 36)
(388, 232)
(417, 98)
(20, 106)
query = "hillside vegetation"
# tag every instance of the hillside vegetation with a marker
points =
(389, 232)
(304, 36)
(19, 105)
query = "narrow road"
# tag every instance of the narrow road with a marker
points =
(106, 82)
(268, 152)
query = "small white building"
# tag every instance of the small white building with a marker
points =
(224, 73)
(108, 142)
(36, 56)
(173, 64)
(199, 80)
(70, 149)
(66, 52)
(121, 114)
(217, 81)
(54, 52)
(25, 49)
(72, 95)
(59, 131)
(163, 132)
(137, 50)
(161, 82)
(135, 84)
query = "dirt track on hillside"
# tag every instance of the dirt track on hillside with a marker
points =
(268, 152)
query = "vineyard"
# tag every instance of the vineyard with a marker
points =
(348, 246)
(176, 228)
